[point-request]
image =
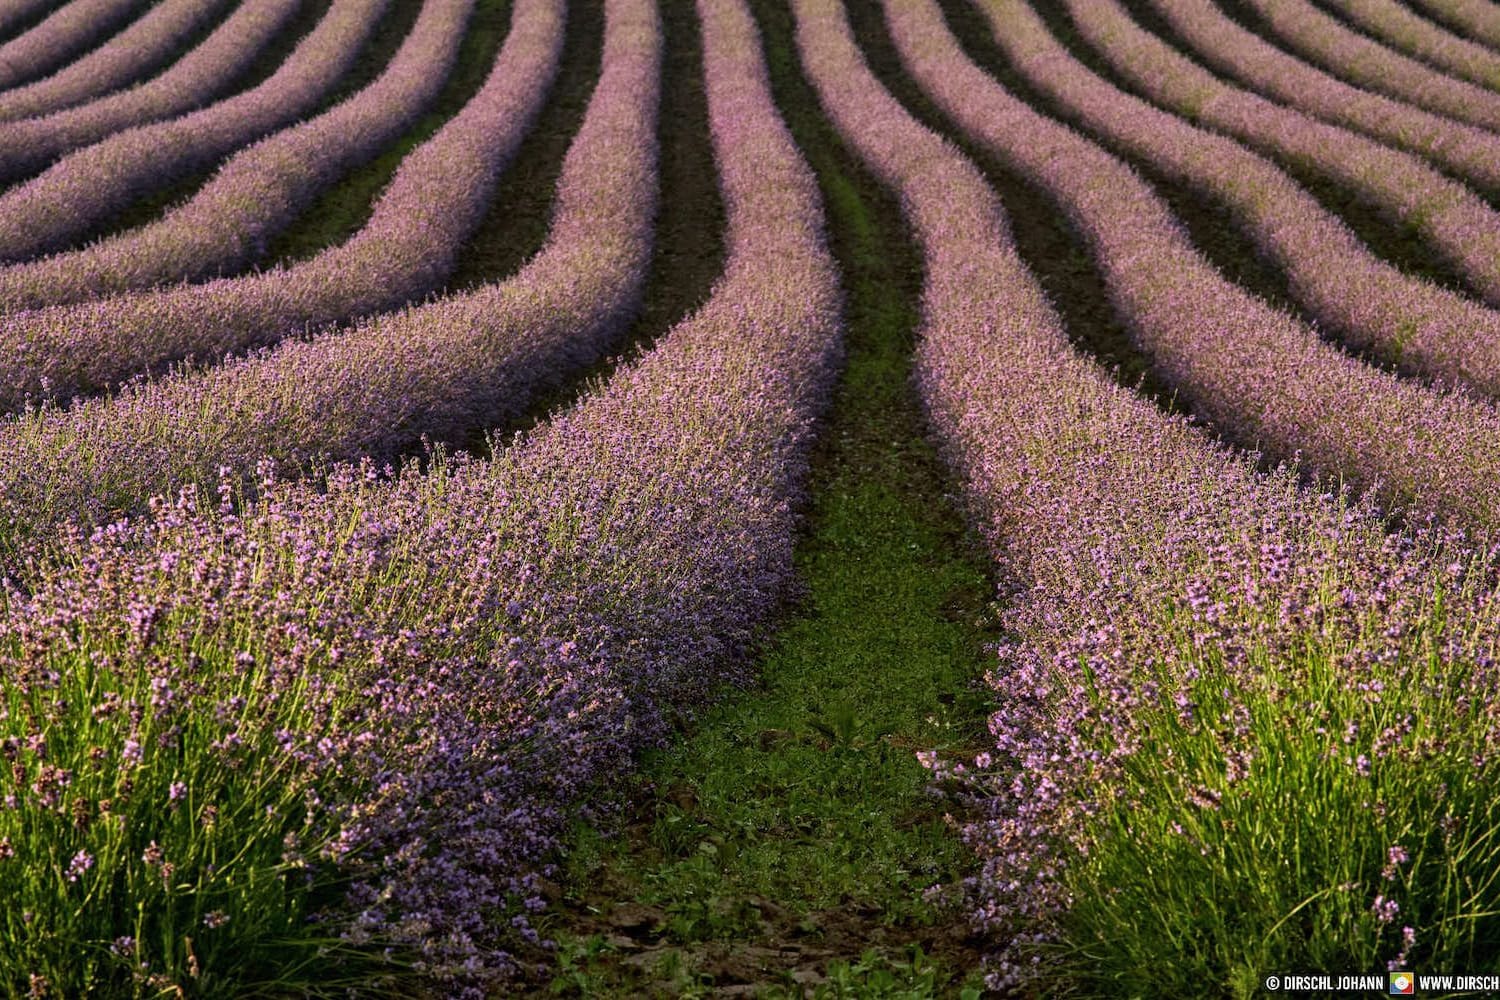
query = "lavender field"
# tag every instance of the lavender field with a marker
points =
(748, 498)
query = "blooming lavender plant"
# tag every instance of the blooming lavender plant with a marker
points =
(29, 144)
(1366, 63)
(401, 689)
(1394, 24)
(1473, 17)
(259, 191)
(446, 368)
(1258, 374)
(1464, 150)
(1450, 218)
(1192, 648)
(85, 188)
(123, 59)
(14, 12)
(70, 29)
(1422, 328)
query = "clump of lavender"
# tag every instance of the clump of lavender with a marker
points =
(1467, 151)
(1212, 677)
(1367, 63)
(337, 732)
(210, 68)
(262, 189)
(66, 32)
(83, 189)
(445, 368)
(133, 53)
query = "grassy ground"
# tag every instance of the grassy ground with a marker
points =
(784, 847)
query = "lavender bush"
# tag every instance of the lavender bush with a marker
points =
(70, 29)
(407, 248)
(440, 370)
(1369, 64)
(30, 144)
(1425, 329)
(1393, 23)
(133, 53)
(1464, 150)
(1207, 671)
(433, 668)
(83, 189)
(13, 12)
(1476, 17)
(1256, 373)
(1450, 218)
(261, 190)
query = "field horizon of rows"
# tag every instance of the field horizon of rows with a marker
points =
(412, 413)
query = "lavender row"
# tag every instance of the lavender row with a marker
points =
(83, 189)
(132, 54)
(491, 640)
(260, 190)
(1465, 150)
(440, 371)
(1477, 18)
(1366, 63)
(71, 29)
(1394, 24)
(1151, 577)
(1452, 220)
(407, 248)
(30, 144)
(1258, 374)
(1425, 329)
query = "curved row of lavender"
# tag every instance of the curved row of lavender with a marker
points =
(1425, 329)
(1396, 25)
(84, 189)
(437, 668)
(128, 56)
(30, 144)
(260, 190)
(407, 248)
(1159, 579)
(1366, 63)
(1451, 219)
(439, 371)
(1468, 151)
(68, 31)
(1258, 374)
(1477, 18)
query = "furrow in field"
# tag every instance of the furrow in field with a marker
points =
(1366, 63)
(64, 34)
(1392, 23)
(1261, 376)
(84, 189)
(30, 144)
(1450, 218)
(129, 56)
(1465, 150)
(505, 633)
(1160, 580)
(261, 190)
(1427, 330)
(440, 370)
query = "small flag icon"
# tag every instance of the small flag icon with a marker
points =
(1403, 984)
